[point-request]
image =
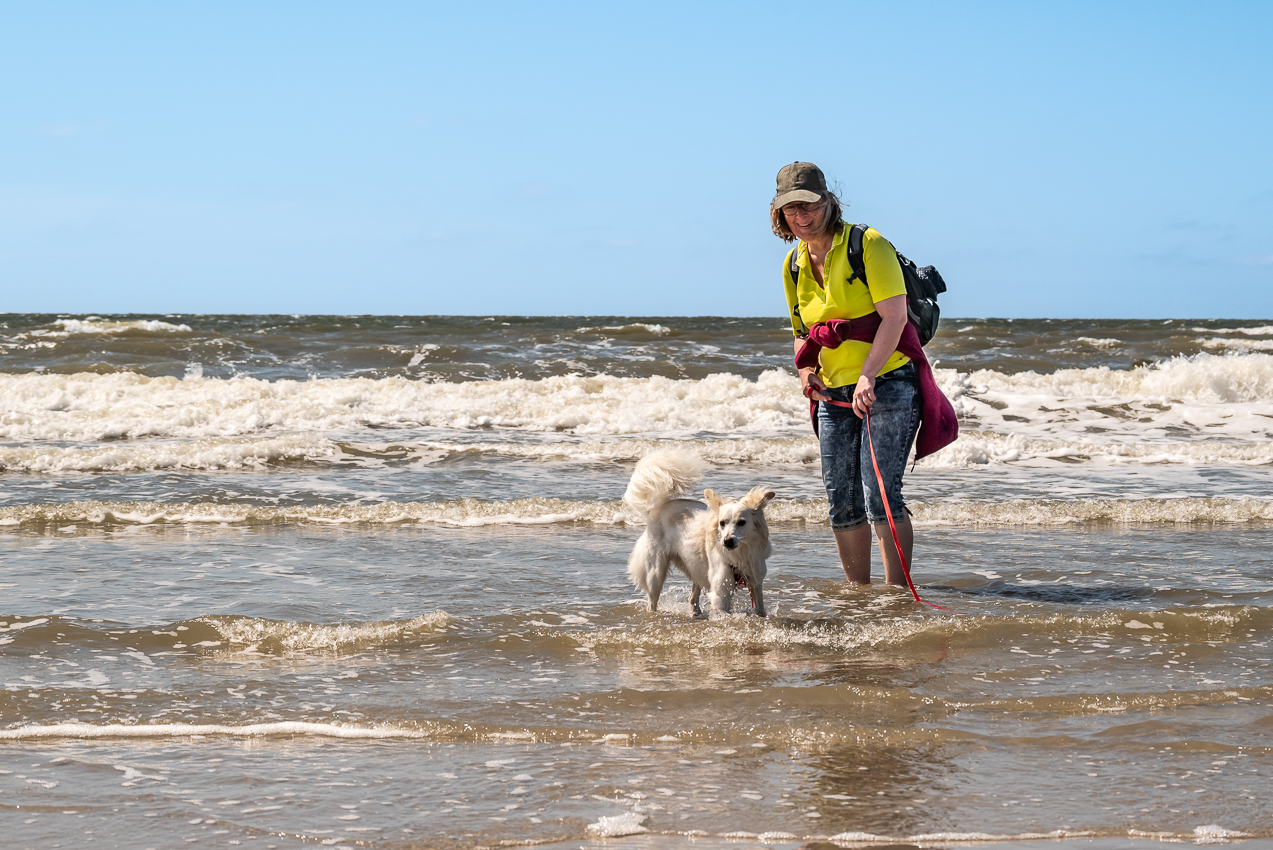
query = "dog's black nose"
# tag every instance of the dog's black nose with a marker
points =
(731, 543)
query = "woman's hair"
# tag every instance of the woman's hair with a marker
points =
(832, 221)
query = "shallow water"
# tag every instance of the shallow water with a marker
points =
(346, 610)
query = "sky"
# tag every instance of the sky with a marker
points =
(1065, 160)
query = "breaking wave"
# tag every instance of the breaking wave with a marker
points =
(214, 453)
(1101, 403)
(974, 448)
(91, 407)
(95, 325)
(288, 636)
(173, 730)
(538, 511)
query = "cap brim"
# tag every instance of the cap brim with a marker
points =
(796, 196)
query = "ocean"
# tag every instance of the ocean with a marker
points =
(355, 581)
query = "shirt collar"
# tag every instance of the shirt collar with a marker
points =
(839, 236)
(835, 240)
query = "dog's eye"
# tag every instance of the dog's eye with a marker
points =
(722, 523)
(741, 522)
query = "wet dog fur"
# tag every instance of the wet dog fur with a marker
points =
(718, 544)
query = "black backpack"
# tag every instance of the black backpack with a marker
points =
(923, 285)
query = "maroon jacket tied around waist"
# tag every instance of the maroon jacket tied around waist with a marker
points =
(938, 424)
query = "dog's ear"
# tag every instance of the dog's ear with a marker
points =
(758, 498)
(713, 501)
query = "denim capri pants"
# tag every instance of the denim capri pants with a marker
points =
(847, 471)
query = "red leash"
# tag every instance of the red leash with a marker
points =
(879, 479)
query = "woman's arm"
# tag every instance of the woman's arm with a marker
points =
(892, 322)
(809, 378)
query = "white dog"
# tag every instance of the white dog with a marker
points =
(718, 545)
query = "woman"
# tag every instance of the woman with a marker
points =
(872, 376)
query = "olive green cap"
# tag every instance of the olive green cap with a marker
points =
(800, 182)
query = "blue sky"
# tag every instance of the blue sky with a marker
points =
(1103, 160)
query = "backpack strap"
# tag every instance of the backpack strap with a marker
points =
(855, 252)
(793, 262)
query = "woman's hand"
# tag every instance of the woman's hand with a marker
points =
(892, 320)
(811, 385)
(863, 395)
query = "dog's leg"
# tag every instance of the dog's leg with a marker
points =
(758, 600)
(648, 570)
(721, 593)
(695, 595)
(655, 578)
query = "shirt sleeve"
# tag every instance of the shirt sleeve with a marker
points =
(883, 271)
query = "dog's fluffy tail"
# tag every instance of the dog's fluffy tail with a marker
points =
(661, 476)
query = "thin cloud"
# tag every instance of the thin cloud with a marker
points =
(69, 129)
(1195, 226)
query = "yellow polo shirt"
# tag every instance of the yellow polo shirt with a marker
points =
(839, 299)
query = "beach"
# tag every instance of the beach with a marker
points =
(360, 581)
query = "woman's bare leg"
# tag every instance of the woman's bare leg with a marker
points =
(893, 573)
(854, 546)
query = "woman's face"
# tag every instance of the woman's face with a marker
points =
(805, 220)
